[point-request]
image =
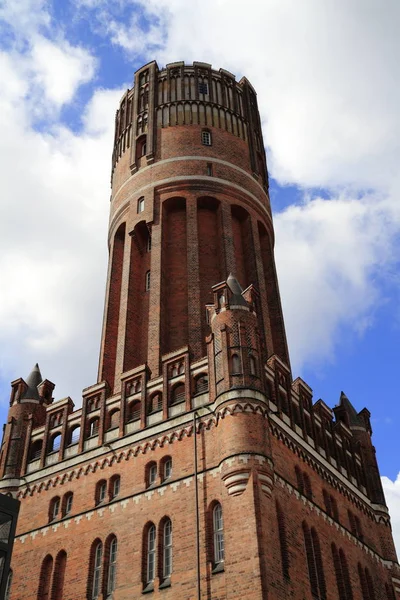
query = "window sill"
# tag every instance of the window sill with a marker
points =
(218, 568)
(149, 588)
(165, 584)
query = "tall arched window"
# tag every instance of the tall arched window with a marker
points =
(218, 534)
(96, 580)
(101, 491)
(314, 562)
(54, 509)
(283, 541)
(59, 576)
(167, 549)
(112, 566)
(342, 574)
(366, 584)
(115, 486)
(45, 578)
(151, 554)
(67, 503)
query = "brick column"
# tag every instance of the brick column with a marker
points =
(194, 308)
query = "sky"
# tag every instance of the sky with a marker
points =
(326, 75)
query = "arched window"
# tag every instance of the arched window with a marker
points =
(147, 281)
(314, 562)
(178, 393)
(283, 541)
(101, 491)
(96, 560)
(167, 549)
(140, 205)
(155, 402)
(151, 474)
(134, 410)
(45, 578)
(54, 509)
(8, 586)
(55, 443)
(113, 419)
(151, 554)
(112, 566)
(59, 576)
(342, 574)
(236, 365)
(166, 466)
(141, 146)
(36, 450)
(94, 427)
(67, 503)
(74, 435)
(115, 486)
(201, 384)
(206, 137)
(218, 534)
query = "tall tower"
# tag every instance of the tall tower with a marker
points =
(196, 468)
(189, 206)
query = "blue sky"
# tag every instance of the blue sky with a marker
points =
(328, 91)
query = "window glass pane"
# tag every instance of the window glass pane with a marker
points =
(218, 534)
(97, 571)
(167, 558)
(167, 468)
(112, 568)
(68, 505)
(152, 474)
(151, 554)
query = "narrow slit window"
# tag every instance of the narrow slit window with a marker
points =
(218, 526)
(151, 554)
(167, 549)
(147, 281)
(140, 205)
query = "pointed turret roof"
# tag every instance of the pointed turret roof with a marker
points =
(236, 290)
(354, 419)
(33, 380)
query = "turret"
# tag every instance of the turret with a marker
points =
(360, 426)
(28, 401)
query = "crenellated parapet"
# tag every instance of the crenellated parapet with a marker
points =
(186, 95)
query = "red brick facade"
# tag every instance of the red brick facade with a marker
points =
(196, 468)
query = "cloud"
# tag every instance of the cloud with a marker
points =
(53, 214)
(392, 494)
(59, 69)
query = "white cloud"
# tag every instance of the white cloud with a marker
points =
(53, 231)
(392, 494)
(59, 68)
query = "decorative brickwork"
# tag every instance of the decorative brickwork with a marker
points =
(196, 468)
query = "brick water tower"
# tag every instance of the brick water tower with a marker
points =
(196, 468)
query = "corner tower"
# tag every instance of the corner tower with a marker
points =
(189, 205)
